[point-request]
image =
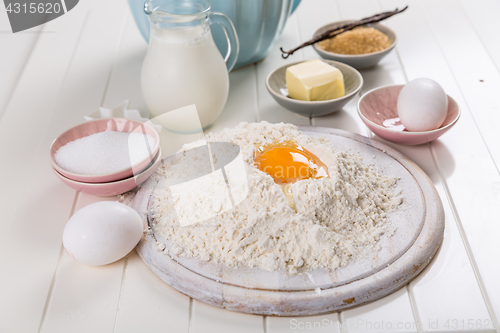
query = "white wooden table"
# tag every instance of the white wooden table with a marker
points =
(51, 76)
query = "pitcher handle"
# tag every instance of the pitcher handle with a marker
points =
(233, 45)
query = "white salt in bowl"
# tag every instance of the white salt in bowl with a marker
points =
(102, 125)
(111, 189)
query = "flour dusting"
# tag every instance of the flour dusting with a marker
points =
(335, 220)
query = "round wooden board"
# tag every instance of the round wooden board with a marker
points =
(419, 228)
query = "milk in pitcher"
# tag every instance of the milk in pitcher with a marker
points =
(184, 67)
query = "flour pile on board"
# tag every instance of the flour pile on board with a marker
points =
(336, 219)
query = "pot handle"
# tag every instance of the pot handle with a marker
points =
(233, 45)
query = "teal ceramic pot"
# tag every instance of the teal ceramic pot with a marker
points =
(258, 23)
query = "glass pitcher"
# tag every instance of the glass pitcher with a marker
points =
(183, 65)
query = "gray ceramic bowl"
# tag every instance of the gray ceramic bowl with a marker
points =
(276, 85)
(358, 61)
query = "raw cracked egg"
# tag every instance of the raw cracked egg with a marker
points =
(422, 105)
(102, 233)
(288, 162)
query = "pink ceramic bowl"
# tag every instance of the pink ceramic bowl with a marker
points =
(112, 188)
(101, 125)
(378, 110)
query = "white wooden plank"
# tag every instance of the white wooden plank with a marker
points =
(435, 289)
(270, 110)
(92, 305)
(30, 248)
(483, 15)
(32, 251)
(313, 324)
(210, 319)
(125, 80)
(472, 67)
(462, 157)
(16, 50)
(387, 72)
(148, 304)
(84, 298)
(35, 234)
(311, 16)
(30, 107)
(241, 104)
(389, 314)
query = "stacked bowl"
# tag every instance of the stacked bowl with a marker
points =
(119, 181)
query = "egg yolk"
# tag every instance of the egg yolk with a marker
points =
(288, 162)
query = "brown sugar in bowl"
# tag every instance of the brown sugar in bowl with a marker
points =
(361, 40)
(358, 61)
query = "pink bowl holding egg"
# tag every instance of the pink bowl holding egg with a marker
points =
(110, 189)
(378, 110)
(102, 125)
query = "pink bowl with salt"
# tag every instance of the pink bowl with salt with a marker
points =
(112, 188)
(101, 125)
(378, 110)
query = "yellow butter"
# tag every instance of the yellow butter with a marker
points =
(314, 80)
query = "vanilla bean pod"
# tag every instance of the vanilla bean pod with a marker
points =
(343, 28)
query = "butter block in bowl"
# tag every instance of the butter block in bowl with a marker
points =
(314, 80)
(315, 95)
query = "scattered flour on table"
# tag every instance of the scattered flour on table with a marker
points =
(336, 219)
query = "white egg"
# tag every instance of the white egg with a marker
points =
(422, 105)
(102, 233)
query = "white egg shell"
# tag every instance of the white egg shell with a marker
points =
(422, 105)
(102, 233)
